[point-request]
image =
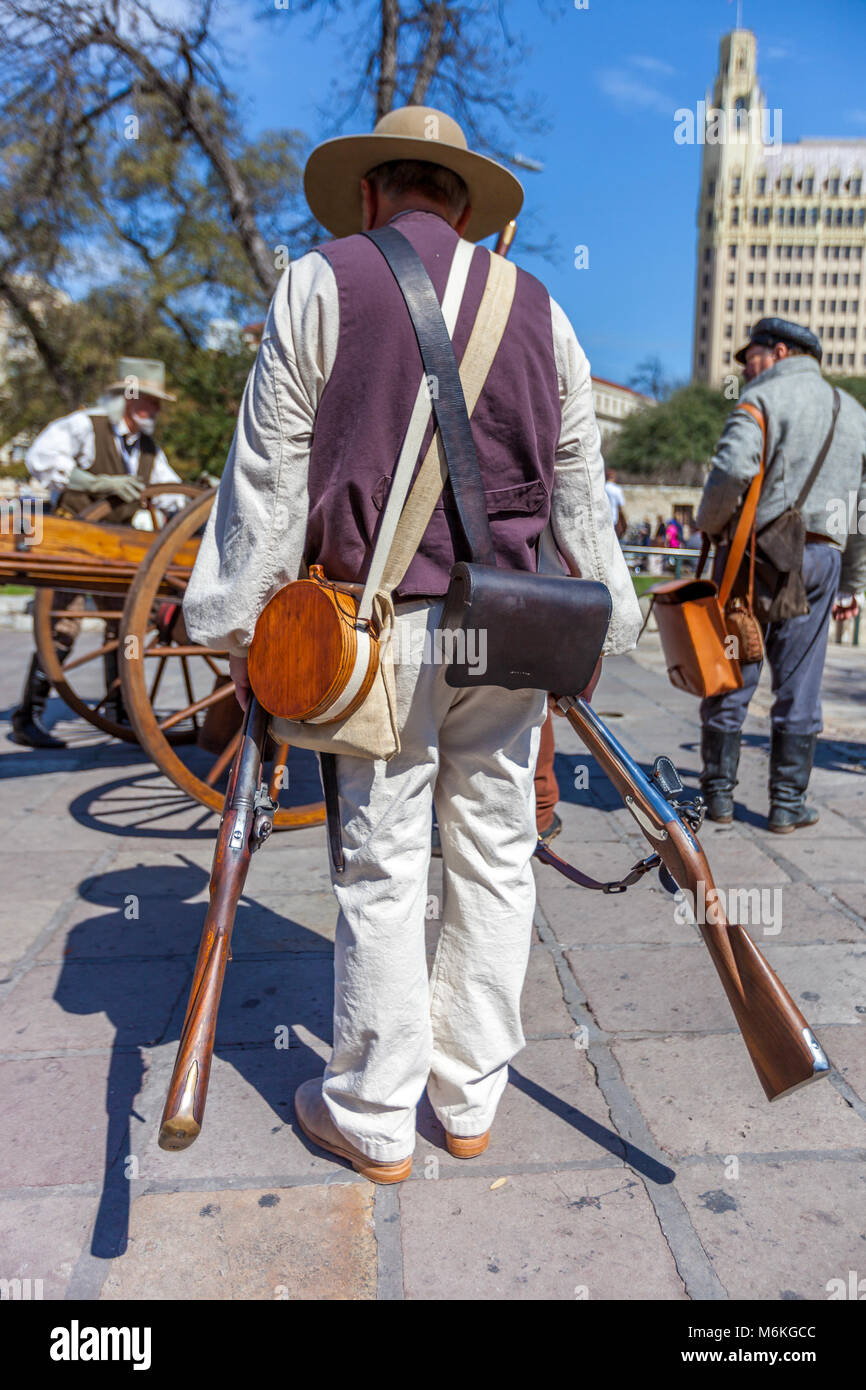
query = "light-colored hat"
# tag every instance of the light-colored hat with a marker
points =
(143, 376)
(334, 170)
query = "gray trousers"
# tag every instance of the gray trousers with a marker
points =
(796, 651)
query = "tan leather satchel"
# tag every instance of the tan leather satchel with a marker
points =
(321, 660)
(707, 633)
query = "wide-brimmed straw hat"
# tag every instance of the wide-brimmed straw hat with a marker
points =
(334, 170)
(145, 373)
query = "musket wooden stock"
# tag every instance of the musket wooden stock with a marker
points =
(187, 1092)
(782, 1046)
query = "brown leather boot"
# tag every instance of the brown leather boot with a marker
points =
(467, 1146)
(314, 1118)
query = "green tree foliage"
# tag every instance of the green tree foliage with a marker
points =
(197, 432)
(854, 385)
(673, 439)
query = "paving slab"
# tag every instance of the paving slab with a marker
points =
(86, 1004)
(41, 1238)
(275, 1244)
(821, 859)
(828, 983)
(781, 1231)
(701, 1095)
(249, 1127)
(846, 1048)
(559, 1236)
(551, 1112)
(55, 1123)
(655, 989)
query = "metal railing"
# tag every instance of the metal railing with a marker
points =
(684, 553)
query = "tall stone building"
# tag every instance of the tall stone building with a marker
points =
(781, 227)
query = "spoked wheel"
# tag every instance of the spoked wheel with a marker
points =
(87, 691)
(179, 695)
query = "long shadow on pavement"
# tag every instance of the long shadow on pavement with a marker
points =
(138, 971)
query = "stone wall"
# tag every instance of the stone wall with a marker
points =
(657, 499)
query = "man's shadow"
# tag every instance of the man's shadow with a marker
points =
(135, 964)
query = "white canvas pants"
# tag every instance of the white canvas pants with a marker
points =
(471, 752)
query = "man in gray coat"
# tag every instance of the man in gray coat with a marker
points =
(783, 374)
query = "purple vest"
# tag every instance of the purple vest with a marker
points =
(365, 407)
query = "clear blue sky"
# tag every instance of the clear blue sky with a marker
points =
(610, 79)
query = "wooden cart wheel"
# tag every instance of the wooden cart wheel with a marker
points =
(171, 684)
(49, 606)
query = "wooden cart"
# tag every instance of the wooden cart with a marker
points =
(178, 696)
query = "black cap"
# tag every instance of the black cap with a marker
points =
(769, 332)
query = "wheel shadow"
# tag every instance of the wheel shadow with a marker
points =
(134, 963)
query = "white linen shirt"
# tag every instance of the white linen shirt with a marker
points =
(70, 442)
(254, 540)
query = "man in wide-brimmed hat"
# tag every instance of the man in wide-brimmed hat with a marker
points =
(105, 452)
(782, 362)
(321, 426)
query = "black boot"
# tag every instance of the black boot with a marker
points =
(791, 757)
(720, 752)
(27, 726)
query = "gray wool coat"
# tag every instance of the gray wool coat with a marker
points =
(797, 403)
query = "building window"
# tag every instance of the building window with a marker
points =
(708, 254)
(808, 186)
(732, 252)
(761, 185)
(729, 330)
(709, 219)
(711, 188)
(787, 185)
(775, 304)
(726, 358)
(766, 217)
(703, 359)
(706, 284)
(760, 306)
(750, 278)
(851, 359)
(703, 332)
(736, 182)
(732, 277)
(729, 305)
(856, 187)
(735, 217)
(796, 306)
(755, 215)
(833, 188)
(705, 306)
(748, 305)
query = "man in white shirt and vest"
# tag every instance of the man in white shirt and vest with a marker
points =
(106, 452)
(320, 427)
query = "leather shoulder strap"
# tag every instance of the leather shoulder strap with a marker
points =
(449, 405)
(816, 466)
(477, 360)
(748, 512)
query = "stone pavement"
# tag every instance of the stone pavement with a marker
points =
(634, 1155)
